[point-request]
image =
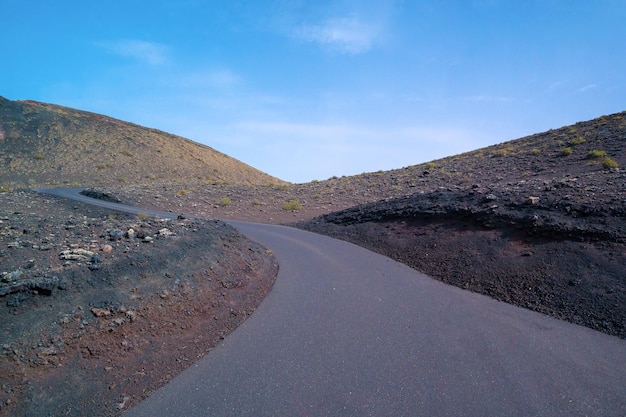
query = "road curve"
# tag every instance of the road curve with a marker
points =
(347, 332)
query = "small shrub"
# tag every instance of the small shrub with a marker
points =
(292, 205)
(609, 163)
(595, 154)
(181, 193)
(500, 152)
(127, 153)
(535, 151)
(38, 156)
(566, 151)
(4, 189)
(142, 216)
(225, 202)
(577, 141)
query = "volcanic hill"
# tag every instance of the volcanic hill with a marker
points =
(47, 145)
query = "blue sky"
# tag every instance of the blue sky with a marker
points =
(306, 90)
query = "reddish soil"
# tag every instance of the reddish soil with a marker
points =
(539, 222)
(96, 332)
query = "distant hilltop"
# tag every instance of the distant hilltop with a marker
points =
(48, 145)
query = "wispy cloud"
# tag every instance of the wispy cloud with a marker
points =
(148, 52)
(587, 87)
(350, 35)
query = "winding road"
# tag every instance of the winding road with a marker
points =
(347, 332)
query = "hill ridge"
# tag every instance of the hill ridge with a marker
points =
(44, 144)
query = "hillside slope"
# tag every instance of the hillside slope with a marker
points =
(49, 145)
(539, 222)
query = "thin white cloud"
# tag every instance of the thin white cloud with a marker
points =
(347, 35)
(149, 52)
(587, 87)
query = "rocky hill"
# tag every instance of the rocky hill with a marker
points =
(49, 145)
(87, 295)
(539, 222)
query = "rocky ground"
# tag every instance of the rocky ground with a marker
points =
(551, 243)
(98, 309)
(555, 246)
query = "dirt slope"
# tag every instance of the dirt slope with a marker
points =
(98, 309)
(49, 145)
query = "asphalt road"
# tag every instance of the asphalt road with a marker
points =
(347, 332)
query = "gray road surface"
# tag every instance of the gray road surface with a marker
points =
(346, 332)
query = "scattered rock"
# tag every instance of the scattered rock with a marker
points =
(533, 200)
(165, 232)
(114, 234)
(100, 312)
(76, 254)
(12, 276)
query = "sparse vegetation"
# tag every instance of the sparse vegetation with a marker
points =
(225, 201)
(292, 205)
(85, 146)
(577, 141)
(609, 163)
(181, 193)
(500, 153)
(566, 151)
(595, 154)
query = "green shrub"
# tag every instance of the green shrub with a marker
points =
(292, 205)
(225, 202)
(596, 154)
(535, 151)
(577, 141)
(609, 163)
(566, 151)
